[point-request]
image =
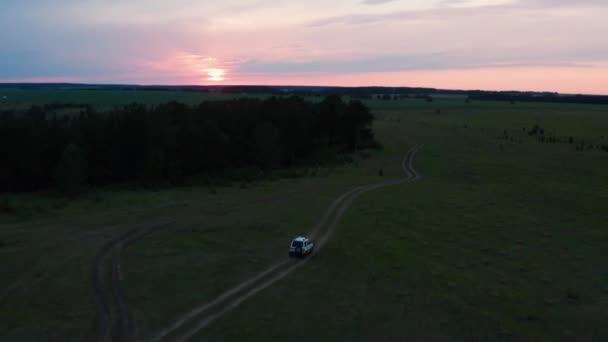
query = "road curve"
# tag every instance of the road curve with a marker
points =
(114, 318)
(189, 324)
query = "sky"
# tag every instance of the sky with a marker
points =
(541, 45)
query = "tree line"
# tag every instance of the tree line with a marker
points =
(513, 97)
(171, 142)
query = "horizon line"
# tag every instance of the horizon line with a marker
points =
(2, 83)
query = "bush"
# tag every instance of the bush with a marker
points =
(535, 130)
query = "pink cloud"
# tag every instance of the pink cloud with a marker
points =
(590, 80)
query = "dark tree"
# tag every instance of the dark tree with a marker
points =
(265, 138)
(71, 171)
(172, 142)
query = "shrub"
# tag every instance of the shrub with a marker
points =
(535, 130)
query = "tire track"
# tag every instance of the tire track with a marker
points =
(200, 317)
(114, 319)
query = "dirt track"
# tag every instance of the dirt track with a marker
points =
(200, 317)
(114, 320)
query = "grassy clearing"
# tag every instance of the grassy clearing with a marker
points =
(478, 250)
(500, 240)
(48, 249)
(495, 243)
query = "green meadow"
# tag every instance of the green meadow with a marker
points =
(505, 236)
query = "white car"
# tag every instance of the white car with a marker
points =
(301, 247)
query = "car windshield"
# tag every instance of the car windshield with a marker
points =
(297, 244)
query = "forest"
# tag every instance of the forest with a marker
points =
(547, 97)
(173, 142)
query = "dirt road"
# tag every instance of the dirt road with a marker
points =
(114, 320)
(200, 317)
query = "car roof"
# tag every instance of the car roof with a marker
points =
(300, 238)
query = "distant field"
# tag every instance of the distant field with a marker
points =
(504, 238)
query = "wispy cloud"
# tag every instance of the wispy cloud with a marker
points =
(376, 2)
(168, 42)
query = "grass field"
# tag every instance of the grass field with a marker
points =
(502, 239)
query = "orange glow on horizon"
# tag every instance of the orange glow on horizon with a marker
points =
(216, 75)
(186, 68)
(574, 80)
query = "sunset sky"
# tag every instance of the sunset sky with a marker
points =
(553, 45)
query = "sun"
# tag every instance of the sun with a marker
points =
(215, 75)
